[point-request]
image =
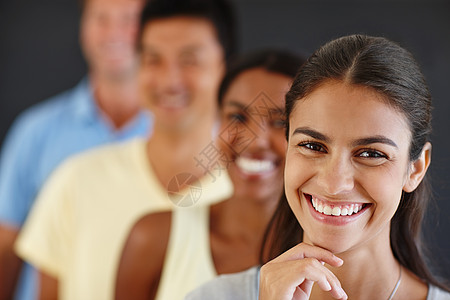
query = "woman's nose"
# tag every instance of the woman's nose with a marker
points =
(336, 175)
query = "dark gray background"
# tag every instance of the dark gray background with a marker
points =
(39, 57)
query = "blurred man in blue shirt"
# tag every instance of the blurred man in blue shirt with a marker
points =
(102, 108)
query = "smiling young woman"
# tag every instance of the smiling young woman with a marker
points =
(358, 124)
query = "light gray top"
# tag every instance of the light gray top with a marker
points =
(242, 285)
(245, 286)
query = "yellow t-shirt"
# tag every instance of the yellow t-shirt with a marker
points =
(82, 217)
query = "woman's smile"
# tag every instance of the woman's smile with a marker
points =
(256, 166)
(335, 212)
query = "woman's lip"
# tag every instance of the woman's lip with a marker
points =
(332, 203)
(331, 219)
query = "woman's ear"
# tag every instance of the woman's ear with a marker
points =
(418, 169)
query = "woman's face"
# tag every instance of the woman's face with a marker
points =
(346, 165)
(252, 133)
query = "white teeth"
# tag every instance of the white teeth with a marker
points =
(173, 101)
(336, 211)
(346, 210)
(320, 208)
(254, 166)
(350, 210)
(116, 48)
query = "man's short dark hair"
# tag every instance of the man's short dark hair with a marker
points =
(219, 12)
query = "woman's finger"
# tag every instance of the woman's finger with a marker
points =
(293, 279)
(315, 271)
(303, 250)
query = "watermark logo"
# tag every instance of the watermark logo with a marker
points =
(212, 160)
(184, 190)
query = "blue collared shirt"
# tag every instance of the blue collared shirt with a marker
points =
(39, 140)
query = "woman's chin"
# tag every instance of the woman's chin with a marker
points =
(331, 244)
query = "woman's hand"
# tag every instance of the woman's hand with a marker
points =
(291, 275)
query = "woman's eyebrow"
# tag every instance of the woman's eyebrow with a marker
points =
(248, 107)
(373, 140)
(235, 104)
(312, 133)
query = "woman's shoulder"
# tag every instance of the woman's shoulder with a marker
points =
(436, 293)
(236, 286)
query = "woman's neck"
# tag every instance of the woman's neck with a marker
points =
(236, 230)
(250, 218)
(370, 271)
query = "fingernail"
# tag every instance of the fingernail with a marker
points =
(341, 292)
(328, 286)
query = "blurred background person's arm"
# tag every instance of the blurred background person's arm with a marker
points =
(9, 262)
(17, 192)
(48, 287)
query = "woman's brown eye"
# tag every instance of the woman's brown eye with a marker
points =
(313, 146)
(241, 118)
(372, 154)
(279, 123)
